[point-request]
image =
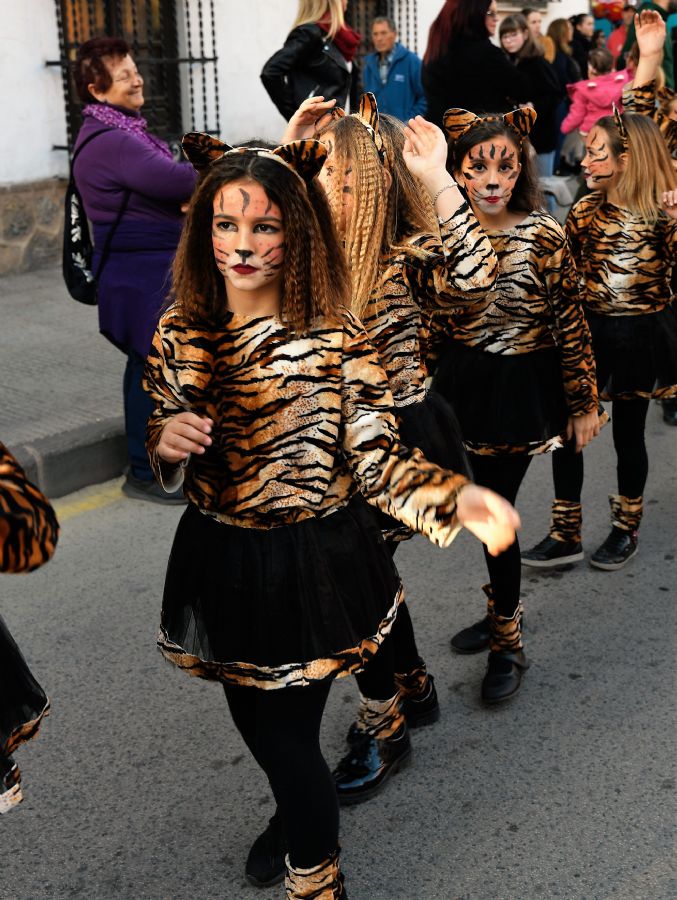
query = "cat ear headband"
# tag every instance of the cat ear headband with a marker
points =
(622, 130)
(304, 158)
(366, 115)
(458, 122)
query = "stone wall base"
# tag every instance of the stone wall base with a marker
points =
(31, 224)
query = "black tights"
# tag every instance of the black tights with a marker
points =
(628, 420)
(282, 730)
(398, 653)
(503, 474)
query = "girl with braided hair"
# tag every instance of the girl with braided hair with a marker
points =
(413, 246)
(518, 369)
(624, 240)
(272, 408)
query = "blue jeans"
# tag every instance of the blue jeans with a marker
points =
(138, 407)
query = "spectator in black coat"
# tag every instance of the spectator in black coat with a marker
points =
(543, 88)
(317, 58)
(581, 44)
(461, 67)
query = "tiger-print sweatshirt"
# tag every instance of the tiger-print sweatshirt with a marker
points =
(28, 526)
(446, 272)
(299, 424)
(642, 101)
(624, 263)
(533, 305)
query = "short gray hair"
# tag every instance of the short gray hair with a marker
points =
(389, 22)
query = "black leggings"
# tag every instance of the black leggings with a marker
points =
(503, 474)
(628, 420)
(282, 730)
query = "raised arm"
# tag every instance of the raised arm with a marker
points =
(29, 528)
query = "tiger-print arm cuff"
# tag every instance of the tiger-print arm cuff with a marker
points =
(399, 481)
(640, 100)
(29, 529)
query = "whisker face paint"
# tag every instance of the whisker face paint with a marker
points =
(489, 171)
(600, 167)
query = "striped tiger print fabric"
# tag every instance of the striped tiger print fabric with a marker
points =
(299, 424)
(533, 305)
(28, 526)
(642, 101)
(624, 263)
(445, 272)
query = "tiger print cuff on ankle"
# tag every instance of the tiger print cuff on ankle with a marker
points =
(380, 718)
(626, 512)
(506, 634)
(565, 524)
(413, 684)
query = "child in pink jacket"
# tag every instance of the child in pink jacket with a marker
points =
(594, 97)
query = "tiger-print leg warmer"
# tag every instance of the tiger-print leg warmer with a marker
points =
(626, 512)
(506, 633)
(379, 718)
(414, 685)
(566, 521)
(10, 784)
(321, 882)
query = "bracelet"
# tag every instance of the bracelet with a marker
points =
(447, 187)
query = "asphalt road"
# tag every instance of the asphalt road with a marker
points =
(140, 788)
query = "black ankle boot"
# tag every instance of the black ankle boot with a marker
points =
(473, 639)
(619, 547)
(266, 861)
(371, 761)
(504, 675)
(551, 552)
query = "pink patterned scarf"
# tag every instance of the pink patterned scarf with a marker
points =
(130, 122)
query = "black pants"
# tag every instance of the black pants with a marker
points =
(628, 421)
(503, 474)
(138, 407)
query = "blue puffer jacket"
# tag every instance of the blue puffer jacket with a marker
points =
(402, 95)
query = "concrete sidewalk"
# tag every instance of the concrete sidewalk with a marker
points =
(61, 381)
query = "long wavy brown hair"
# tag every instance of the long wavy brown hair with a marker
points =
(316, 280)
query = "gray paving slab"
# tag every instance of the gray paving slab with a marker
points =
(61, 385)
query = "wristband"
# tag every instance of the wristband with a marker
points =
(447, 187)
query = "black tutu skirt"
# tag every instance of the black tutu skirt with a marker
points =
(23, 703)
(277, 607)
(636, 356)
(432, 426)
(504, 403)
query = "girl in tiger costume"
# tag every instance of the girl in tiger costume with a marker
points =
(413, 246)
(518, 369)
(624, 240)
(272, 408)
(28, 535)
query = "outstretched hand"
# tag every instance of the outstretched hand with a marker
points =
(650, 32)
(488, 516)
(425, 149)
(307, 119)
(670, 203)
(183, 434)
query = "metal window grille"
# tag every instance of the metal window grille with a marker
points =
(361, 13)
(173, 43)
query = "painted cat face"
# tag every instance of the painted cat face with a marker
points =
(338, 185)
(248, 236)
(488, 172)
(601, 169)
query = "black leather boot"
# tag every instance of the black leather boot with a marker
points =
(371, 761)
(504, 675)
(618, 549)
(473, 639)
(266, 861)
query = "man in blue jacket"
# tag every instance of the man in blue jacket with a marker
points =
(393, 73)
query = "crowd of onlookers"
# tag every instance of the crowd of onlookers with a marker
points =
(572, 74)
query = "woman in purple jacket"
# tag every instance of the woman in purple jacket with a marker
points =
(124, 167)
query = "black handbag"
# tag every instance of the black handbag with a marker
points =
(81, 283)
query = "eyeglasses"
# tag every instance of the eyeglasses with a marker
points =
(492, 15)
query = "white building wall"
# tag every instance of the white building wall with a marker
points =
(248, 32)
(31, 95)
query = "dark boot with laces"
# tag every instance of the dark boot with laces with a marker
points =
(266, 861)
(618, 549)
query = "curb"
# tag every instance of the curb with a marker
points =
(66, 462)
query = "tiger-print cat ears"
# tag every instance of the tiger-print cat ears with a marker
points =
(305, 158)
(459, 121)
(366, 115)
(622, 130)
